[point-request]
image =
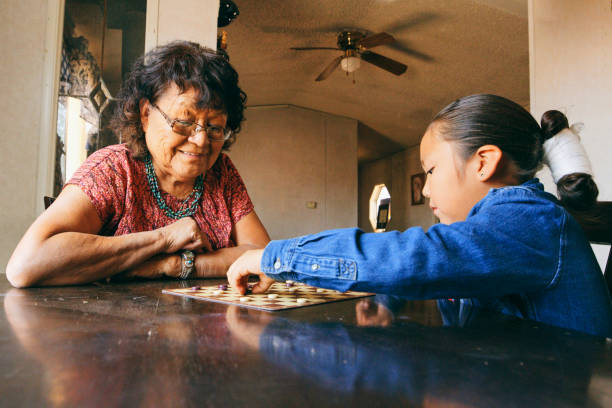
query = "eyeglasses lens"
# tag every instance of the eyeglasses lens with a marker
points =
(182, 129)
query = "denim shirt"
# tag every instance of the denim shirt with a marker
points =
(518, 252)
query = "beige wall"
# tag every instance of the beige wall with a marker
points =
(21, 83)
(394, 171)
(416, 214)
(571, 70)
(288, 156)
(192, 20)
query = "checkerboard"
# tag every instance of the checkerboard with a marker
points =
(286, 297)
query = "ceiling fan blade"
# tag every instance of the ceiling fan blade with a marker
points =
(385, 63)
(412, 52)
(314, 48)
(329, 69)
(375, 40)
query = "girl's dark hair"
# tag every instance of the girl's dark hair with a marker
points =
(577, 191)
(189, 66)
(553, 122)
(478, 120)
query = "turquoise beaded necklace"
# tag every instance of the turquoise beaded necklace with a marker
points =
(186, 208)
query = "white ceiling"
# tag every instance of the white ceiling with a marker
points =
(475, 45)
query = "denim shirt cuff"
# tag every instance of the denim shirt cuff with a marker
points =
(288, 259)
(277, 257)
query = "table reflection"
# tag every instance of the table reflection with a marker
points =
(131, 345)
(89, 357)
(472, 359)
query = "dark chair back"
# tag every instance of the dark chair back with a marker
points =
(48, 200)
(597, 224)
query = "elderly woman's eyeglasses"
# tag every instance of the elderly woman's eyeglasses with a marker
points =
(187, 128)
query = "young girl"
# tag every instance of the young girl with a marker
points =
(502, 240)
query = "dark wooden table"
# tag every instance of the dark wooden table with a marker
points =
(131, 345)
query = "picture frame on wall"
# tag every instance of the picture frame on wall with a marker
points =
(417, 181)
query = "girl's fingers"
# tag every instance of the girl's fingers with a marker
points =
(263, 285)
(248, 264)
(237, 278)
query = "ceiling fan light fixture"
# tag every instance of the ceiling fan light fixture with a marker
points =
(350, 64)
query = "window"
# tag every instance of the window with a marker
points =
(380, 208)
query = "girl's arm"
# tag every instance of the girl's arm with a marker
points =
(483, 256)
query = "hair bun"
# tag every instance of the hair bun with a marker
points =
(553, 122)
(577, 191)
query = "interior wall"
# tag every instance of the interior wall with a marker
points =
(416, 214)
(570, 66)
(191, 20)
(21, 81)
(289, 156)
(395, 172)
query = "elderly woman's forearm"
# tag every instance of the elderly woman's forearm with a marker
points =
(215, 264)
(74, 258)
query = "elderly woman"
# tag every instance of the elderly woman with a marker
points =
(165, 203)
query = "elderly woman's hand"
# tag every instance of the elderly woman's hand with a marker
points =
(185, 234)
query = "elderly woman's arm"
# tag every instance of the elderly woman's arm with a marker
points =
(62, 248)
(248, 233)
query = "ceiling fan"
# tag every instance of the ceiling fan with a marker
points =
(355, 46)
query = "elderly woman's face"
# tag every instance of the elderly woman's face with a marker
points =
(180, 157)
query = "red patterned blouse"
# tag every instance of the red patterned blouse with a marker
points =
(116, 184)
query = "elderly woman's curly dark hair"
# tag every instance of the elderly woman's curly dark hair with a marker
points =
(189, 66)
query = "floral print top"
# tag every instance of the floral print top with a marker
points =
(116, 184)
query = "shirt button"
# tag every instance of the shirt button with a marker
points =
(277, 264)
(315, 267)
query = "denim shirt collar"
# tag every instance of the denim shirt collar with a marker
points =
(533, 185)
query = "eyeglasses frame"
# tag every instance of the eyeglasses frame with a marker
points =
(227, 133)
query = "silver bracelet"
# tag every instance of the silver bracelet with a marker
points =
(187, 264)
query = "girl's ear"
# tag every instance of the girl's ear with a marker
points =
(489, 158)
(144, 113)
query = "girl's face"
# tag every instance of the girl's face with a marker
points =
(452, 185)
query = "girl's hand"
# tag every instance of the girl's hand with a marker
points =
(370, 313)
(185, 234)
(247, 326)
(248, 264)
